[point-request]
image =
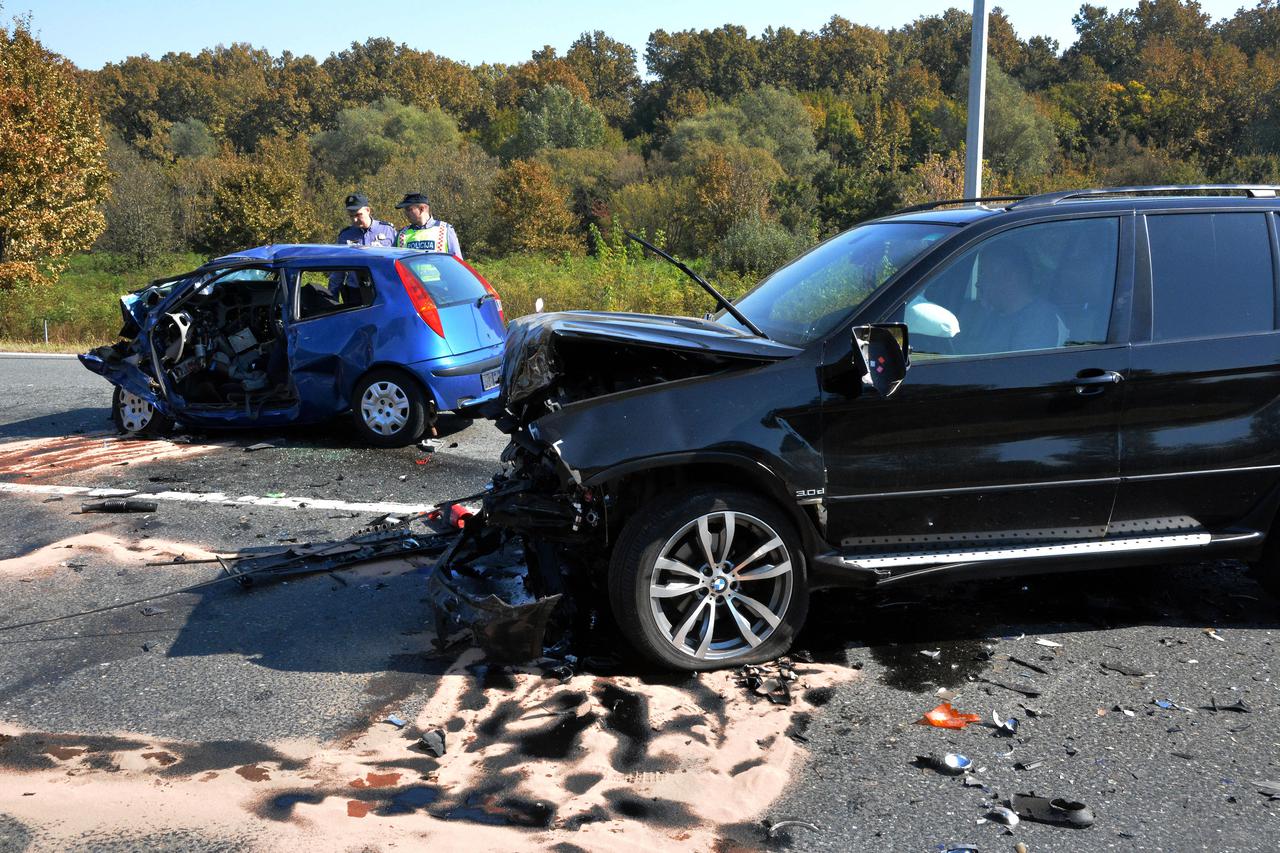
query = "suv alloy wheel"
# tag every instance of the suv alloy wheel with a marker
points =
(712, 579)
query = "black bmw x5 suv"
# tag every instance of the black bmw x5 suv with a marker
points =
(1070, 380)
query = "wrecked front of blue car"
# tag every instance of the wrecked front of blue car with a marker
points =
(207, 347)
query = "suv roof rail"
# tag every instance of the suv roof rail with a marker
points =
(930, 205)
(1252, 190)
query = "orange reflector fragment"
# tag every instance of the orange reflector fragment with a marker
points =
(946, 717)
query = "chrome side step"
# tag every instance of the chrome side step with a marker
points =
(900, 560)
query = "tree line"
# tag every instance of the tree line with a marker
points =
(735, 148)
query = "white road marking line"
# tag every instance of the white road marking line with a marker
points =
(219, 498)
(37, 355)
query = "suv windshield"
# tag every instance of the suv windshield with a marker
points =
(803, 300)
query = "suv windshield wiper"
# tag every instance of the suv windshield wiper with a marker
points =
(706, 285)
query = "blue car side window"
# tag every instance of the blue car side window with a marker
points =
(328, 291)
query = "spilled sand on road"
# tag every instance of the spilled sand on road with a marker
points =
(39, 460)
(603, 763)
(98, 547)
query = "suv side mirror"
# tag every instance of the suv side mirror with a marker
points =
(881, 352)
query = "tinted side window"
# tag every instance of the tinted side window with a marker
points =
(1038, 286)
(1210, 274)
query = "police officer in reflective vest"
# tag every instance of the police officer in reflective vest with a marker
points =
(423, 232)
(364, 230)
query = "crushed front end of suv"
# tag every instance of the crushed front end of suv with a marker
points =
(301, 333)
(955, 391)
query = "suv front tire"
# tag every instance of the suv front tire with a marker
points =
(712, 579)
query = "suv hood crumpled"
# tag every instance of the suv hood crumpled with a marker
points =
(538, 346)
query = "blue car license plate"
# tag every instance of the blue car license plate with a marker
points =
(489, 379)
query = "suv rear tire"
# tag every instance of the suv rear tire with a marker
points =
(136, 416)
(713, 579)
(389, 407)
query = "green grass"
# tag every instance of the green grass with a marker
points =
(83, 307)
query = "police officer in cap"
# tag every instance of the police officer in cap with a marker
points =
(423, 232)
(364, 230)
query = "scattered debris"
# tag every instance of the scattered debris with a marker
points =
(1006, 816)
(53, 499)
(433, 742)
(1005, 726)
(1238, 707)
(1035, 712)
(430, 445)
(945, 695)
(931, 653)
(1270, 789)
(1020, 847)
(274, 495)
(1212, 633)
(773, 828)
(120, 505)
(395, 721)
(951, 764)
(262, 445)
(1128, 712)
(1127, 669)
(1058, 811)
(1048, 644)
(1169, 705)
(946, 717)
(1028, 765)
(772, 681)
(152, 611)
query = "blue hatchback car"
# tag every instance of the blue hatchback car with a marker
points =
(300, 333)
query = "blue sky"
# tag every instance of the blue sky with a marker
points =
(91, 33)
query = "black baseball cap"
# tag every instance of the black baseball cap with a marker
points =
(412, 198)
(355, 201)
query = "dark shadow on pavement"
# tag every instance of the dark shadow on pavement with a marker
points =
(895, 625)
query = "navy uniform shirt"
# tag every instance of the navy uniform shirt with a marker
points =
(379, 233)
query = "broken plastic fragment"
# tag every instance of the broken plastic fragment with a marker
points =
(774, 828)
(1213, 633)
(1007, 816)
(1271, 789)
(946, 717)
(1048, 644)
(120, 505)
(1006, 726)
(931, 653)
(395, 721)
(951, 764)
(1028, 765)
(433, 742)
(1059, 811)
(1238, 707)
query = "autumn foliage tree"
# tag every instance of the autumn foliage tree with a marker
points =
(53, 174)
(532, 211)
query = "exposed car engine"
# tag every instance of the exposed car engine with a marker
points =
(224, 345)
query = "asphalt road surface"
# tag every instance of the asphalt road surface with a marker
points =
(230, 719)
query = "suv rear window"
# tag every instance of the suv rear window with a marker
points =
(1210, 275)
(447, 281)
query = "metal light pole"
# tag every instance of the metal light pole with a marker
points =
(977, 101)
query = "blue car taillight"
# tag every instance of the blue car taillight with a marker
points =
(422, 301)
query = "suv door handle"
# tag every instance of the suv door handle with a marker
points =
(1094, 381)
